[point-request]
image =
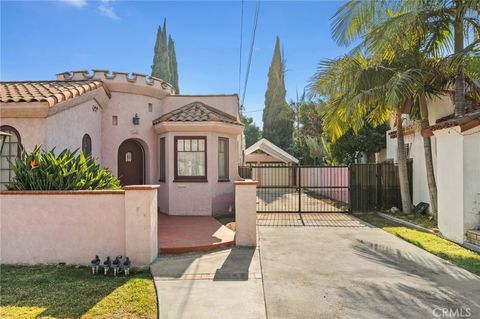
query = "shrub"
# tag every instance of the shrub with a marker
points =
(43, 170)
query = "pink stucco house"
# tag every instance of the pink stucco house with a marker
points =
(138, 128)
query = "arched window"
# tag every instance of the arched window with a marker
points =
(11, 149)
(87, 145)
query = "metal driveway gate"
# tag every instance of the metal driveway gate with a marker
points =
(300, 188)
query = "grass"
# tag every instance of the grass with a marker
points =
(434, 244)
(69, 292)
(417, 219)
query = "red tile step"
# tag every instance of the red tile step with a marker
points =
(183, 234)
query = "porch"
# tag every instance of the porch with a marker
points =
(183, 234)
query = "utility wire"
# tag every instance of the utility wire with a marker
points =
(254, 31)
(240, 60)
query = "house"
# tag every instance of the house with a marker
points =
(137, 127)
(455, 146)
(265, 152)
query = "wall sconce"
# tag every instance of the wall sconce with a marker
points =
(136, 119)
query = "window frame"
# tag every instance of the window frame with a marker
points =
(162, 170)
(85, 137)
(225, 178)
(191, 179)
(11, 130)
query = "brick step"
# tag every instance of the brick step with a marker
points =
(473, 237)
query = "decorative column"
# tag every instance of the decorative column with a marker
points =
(246, 213)
(141, 219)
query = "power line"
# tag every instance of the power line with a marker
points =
(254, 31)
(241, 45)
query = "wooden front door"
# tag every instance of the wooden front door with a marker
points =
(131, 163)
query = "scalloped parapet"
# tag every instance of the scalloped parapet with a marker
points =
(119, 79)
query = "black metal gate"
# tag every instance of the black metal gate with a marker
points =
(300, 188)
(376, 186)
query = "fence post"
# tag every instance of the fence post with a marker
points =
(141, 223)
(246, 213)
(299, 188)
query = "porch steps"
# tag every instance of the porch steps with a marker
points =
(185, 234)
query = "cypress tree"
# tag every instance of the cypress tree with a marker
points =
(161, 64)
(173, 64)
(277, 114)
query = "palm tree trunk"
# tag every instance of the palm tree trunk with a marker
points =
(460, 102)
(427, 148)
(402, 166)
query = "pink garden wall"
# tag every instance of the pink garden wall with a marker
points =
(45, 227)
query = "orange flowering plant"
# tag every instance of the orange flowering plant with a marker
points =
(67, 170)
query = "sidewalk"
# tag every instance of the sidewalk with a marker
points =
(222, 284)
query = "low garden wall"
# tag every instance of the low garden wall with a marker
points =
(72, 227)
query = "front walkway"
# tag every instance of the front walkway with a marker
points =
(315, 272)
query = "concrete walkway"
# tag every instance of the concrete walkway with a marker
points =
(316, 272)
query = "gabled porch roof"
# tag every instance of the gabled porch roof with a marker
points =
(197, 112)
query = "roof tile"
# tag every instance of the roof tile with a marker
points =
(197, 112)
(52, 92)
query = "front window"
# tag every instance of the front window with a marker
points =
(11, 150)
(223, 159)
(190, 158)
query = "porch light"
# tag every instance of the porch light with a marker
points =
(3, 137)
(136, 119)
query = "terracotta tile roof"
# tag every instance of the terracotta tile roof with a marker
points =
(466, 122)
(52, 92)
(197, 112)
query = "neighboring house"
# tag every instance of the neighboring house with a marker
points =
(456, 157)
(265, 152)
(137, 127)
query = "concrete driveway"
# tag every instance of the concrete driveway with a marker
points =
(332, 270)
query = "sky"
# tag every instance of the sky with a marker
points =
(42, 38)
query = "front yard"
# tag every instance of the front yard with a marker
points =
(69, 292)
(436, 245)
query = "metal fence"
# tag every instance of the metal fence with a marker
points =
(296, 188)
(376, 186)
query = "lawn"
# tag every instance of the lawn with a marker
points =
(69, 292)
(436, 245)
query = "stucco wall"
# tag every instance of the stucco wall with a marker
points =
(61, 228)
(66, 129)
(471, 180)
(458, 181)
(73, 227)
(125, 106)
(31, 130)
(202, 198)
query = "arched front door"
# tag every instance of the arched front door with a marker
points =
(131, 163)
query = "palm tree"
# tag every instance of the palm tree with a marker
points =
(361, 89)
(438, 23)
(416, 30)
